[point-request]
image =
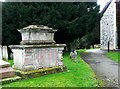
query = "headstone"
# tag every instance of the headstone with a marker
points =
(0, 52)
(60, 57)
(5, 53)
(73, 56)
(11, 55)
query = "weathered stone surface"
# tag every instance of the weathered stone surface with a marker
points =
(38, 50)
(5, 70)
(35, 58)
(0, 52)
(10, 80)
(5, 52)
(4, 64)
(36, 34)
(38, 46)
(40, 72)
(60, 57)
(36, 42)
(37, 28)
(108, 27)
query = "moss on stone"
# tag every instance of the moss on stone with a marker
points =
(9, 80)
(40, 72)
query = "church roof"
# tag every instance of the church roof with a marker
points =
(117, 1)
(106, 6)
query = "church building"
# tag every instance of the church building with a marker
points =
(110, 26)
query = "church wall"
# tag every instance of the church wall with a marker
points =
(108, 28)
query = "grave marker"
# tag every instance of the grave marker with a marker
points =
(5, 53)
(0, 52)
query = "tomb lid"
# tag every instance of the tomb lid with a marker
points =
(37, 28)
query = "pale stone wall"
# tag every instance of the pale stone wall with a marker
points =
(5, 70)
(108, 27)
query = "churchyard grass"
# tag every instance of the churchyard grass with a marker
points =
(114, 56)
(11, 62)
(79, 74)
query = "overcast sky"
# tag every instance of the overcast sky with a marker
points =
(2, 0)
(102, 3)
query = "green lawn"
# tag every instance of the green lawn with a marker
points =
(11, 62)
(79, 74)
(114, 56)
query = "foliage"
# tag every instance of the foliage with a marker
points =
(90, 38)
(73, 20)
(79, 74)
(114, 56)
(74, 44)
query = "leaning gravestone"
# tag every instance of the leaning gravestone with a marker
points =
(37, 50)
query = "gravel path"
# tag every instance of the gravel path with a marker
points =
(104, 68)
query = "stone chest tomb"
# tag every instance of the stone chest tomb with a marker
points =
(38, 49)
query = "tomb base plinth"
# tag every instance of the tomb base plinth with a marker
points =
(40, 72)
(5, 70)
(7, 74)
(10, 80)
(33, 57)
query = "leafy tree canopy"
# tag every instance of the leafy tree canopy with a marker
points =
(73, 20)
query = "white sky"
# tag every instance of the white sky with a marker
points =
(2, 0)
(102, 3)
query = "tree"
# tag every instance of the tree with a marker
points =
(73, 20)
(90, 38)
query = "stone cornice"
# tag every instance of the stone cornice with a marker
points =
(36, 46)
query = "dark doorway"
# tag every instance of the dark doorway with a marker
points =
(118, 23)
(118, 39)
